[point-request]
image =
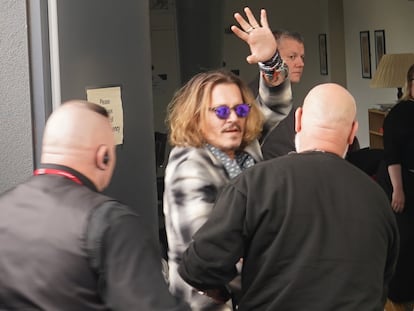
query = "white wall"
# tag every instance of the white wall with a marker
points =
(396, 18)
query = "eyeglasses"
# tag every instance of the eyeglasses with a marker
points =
(223, 111)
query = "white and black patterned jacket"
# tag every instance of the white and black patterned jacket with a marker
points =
(193, 178)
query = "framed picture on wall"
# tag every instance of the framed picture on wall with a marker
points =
(365, 54)
(379, 45)
(323, 54)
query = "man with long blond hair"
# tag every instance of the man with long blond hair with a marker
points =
(214, 122)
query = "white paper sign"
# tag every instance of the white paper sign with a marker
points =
(110, 99)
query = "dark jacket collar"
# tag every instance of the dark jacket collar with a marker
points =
(85, 180)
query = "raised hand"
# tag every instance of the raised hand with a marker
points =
(260, 38)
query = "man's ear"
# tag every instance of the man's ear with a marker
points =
(102, 157)
(298, 119)
(353, 132)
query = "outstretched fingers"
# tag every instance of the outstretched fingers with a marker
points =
(242, 22)
(252, 20)
(259, 37)
(240, 33)
(263, 18)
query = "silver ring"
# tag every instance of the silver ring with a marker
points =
(249, 30)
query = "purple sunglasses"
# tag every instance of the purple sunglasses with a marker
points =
(223, 111)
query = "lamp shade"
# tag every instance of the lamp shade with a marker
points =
(392, 70)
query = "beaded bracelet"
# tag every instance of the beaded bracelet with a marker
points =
(273, 66)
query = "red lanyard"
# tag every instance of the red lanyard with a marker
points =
(51, 171)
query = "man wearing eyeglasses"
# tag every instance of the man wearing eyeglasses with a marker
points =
(214, 122)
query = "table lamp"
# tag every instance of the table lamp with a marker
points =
(392, 71)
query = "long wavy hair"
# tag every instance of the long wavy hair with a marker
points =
(408, 82)
(188, 109)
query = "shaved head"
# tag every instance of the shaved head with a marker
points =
(326, 120)
(79, 135)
